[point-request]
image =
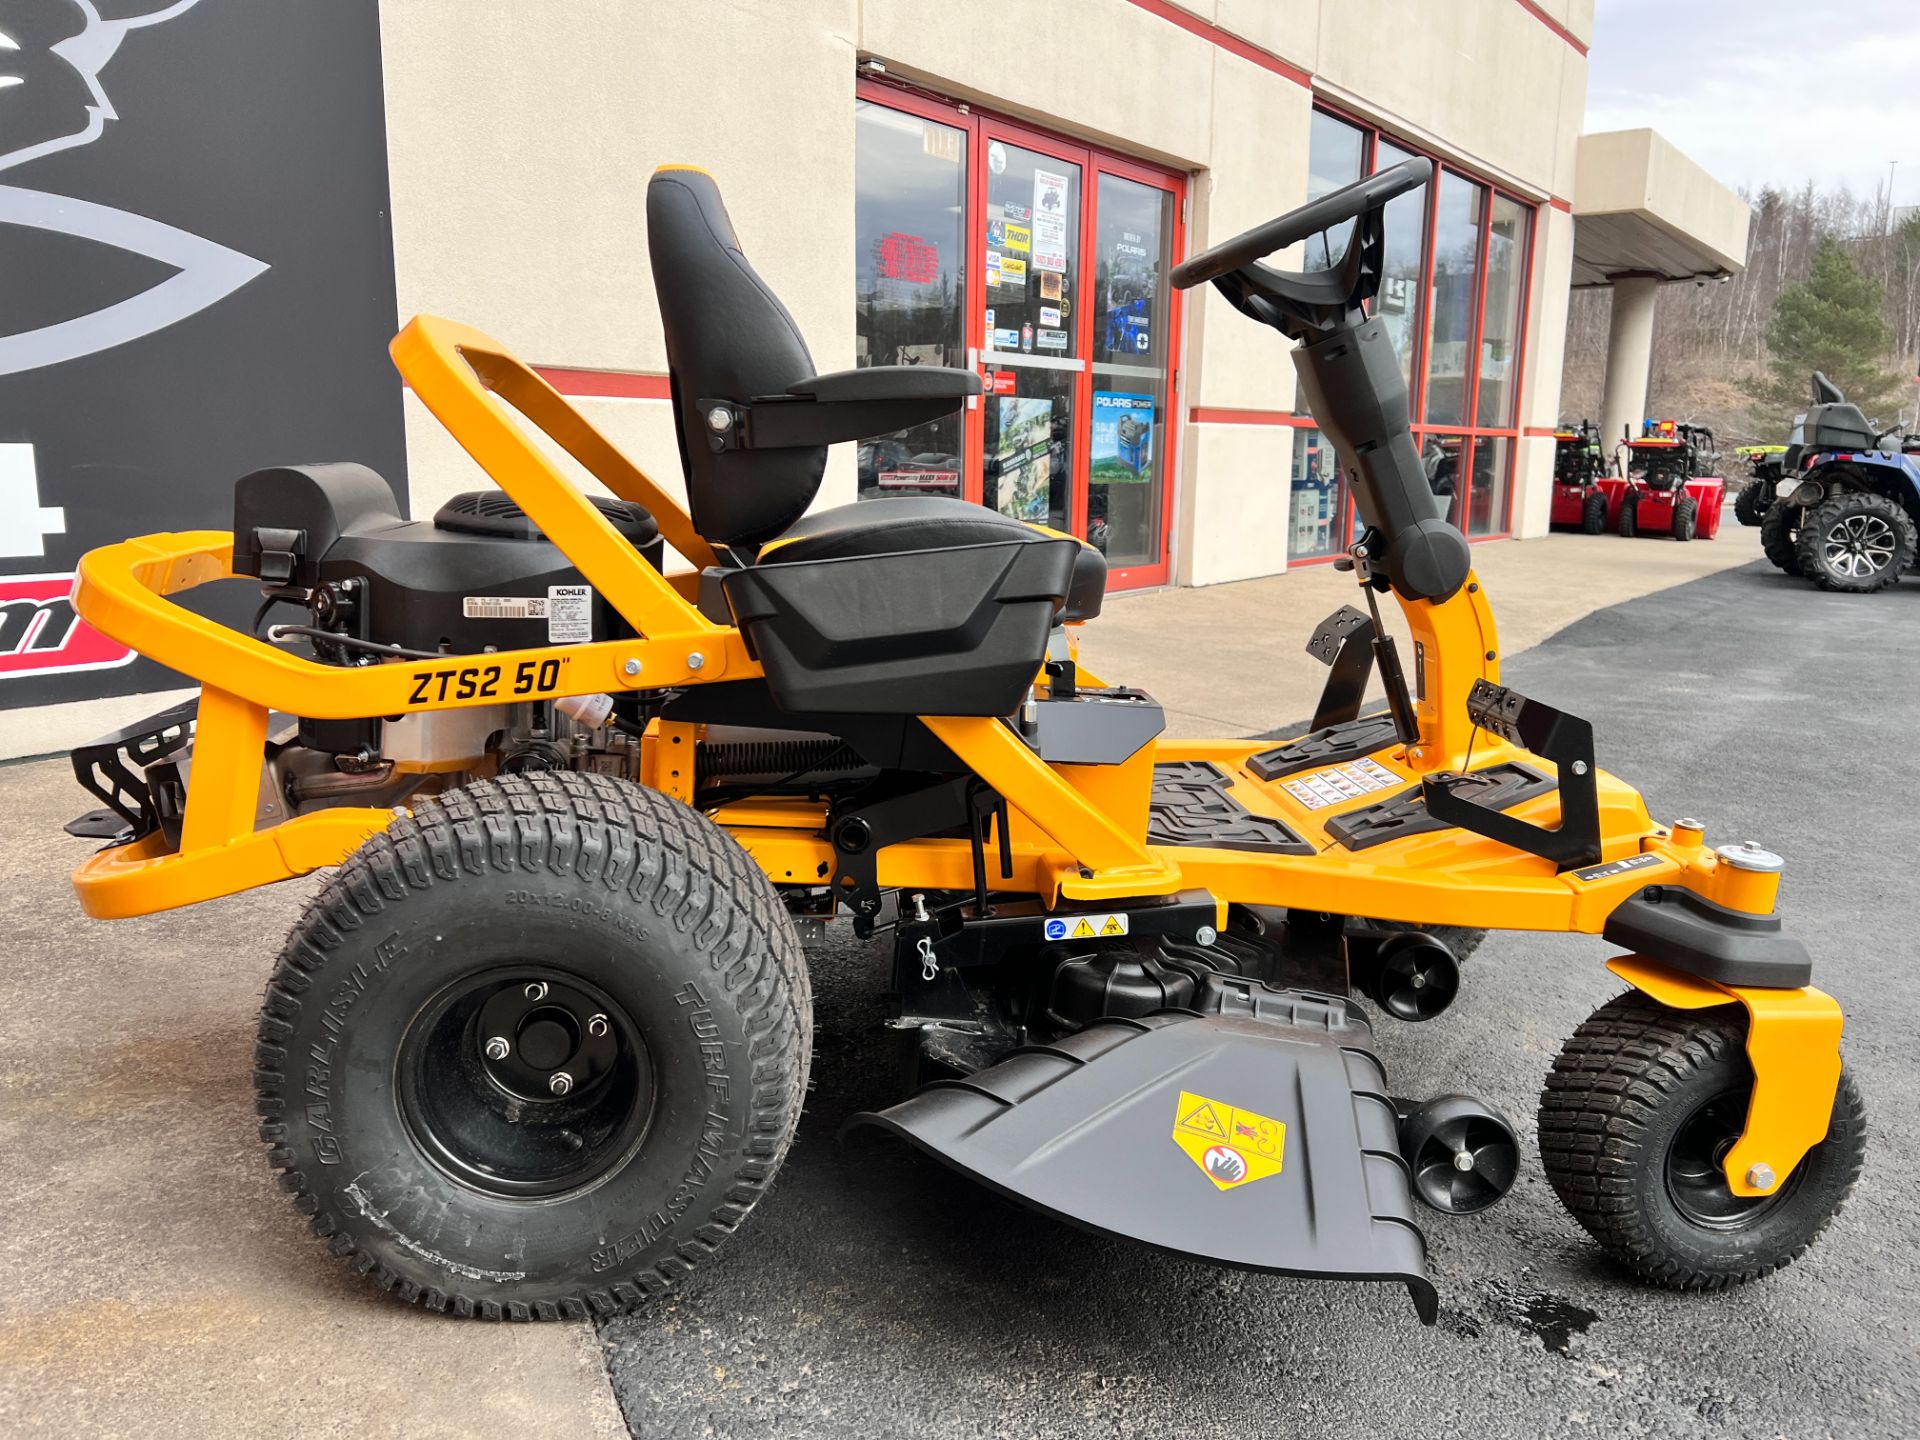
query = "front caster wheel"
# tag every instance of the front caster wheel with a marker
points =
(1464, 1155)
(1641, 1107)
(536, 1050)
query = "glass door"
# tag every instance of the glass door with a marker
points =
(1044, 265)
(910, 284)
(1131, 347)
(1029, 239)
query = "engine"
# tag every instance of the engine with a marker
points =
(346, 581)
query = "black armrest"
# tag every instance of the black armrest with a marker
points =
(847, 405)
(890, 382)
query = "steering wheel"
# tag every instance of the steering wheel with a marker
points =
(1346, 203)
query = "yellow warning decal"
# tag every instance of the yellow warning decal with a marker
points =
(1232, 1147)
(1086, 927)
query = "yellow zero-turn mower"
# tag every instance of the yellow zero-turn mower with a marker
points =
(540, 1041)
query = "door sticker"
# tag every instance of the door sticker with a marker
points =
(1232, 1147)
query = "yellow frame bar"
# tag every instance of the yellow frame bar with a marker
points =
(1793, 1044)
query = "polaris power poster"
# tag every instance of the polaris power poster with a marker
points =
(1122, 443)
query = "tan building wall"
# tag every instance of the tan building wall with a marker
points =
(521, 137)
(519, 174)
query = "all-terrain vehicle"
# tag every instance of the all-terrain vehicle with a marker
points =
(1579, 500)
(1764, 463)
(1670, 486)
(540, 1041)
(1848, 501)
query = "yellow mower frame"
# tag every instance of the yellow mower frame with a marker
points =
(1077, 832)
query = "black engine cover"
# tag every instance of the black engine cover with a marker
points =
(478, 574)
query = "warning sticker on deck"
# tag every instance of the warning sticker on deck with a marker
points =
(1086, 927)
(1320, 788)
(1231, 1146)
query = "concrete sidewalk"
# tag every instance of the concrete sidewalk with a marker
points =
(159, 1284)
(1231, 659)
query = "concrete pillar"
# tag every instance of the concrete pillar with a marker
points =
(1629, 358)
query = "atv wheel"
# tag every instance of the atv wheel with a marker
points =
(1593, 513)
(1750, 505)
(1629, 526)
(537, 1049)
(1686, 511)
(1641, 1106)
(1777, 534)
(1856, 543)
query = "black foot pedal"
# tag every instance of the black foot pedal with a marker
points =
(1191, 806)
(1343, 641)
(1334, 745)
(1493, 788)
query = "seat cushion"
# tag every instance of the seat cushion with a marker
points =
(905, 523)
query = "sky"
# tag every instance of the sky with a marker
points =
(1767, 92)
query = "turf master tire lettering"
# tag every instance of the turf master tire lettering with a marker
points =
(1641, 1105)
(1777, 532)
(1855, 543)
(451, 1180)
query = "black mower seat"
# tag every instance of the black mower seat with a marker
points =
(906, 524)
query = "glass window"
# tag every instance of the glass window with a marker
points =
(1317, 497)
(1336, 156)
(1445, 457)
(1133, 236)
(910, 247)
(1487, 501)
(1456, 272)
(1033, 248)
(1403, 261)
(1500, 327)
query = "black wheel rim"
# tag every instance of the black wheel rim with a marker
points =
(1859, 545)
(1415, 988)
(1466, 1164)
(525, 1082)
(1695, 1181)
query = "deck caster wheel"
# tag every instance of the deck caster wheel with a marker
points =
(1412, 977)
(536, 1049)
(1463, 1153)
(1640, 1109)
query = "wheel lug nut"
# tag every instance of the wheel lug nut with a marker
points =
(537, 990)
(497, 1048)
(597, 1026)
(560, 1082)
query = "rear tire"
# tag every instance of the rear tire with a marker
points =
(1685, 512)
(1629, 521)
(1641, 1103)
(1778, 531)
(1751, 504)
(425, 1006)
(1593, 513)
(1855, 543)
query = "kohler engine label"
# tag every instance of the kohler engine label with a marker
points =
(567, 609)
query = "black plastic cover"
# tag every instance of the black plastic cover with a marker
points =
(494, 512)
(959, 631)
(1084, 1129)
(316, 503)
(1690, 933)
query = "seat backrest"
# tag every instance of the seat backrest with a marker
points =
(728, 338)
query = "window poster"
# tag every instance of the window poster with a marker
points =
(1049, 220)
(1024, 458)
(1122, 439)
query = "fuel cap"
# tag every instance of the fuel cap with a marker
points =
(1749, 856)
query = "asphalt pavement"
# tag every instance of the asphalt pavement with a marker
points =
(874, 1294)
